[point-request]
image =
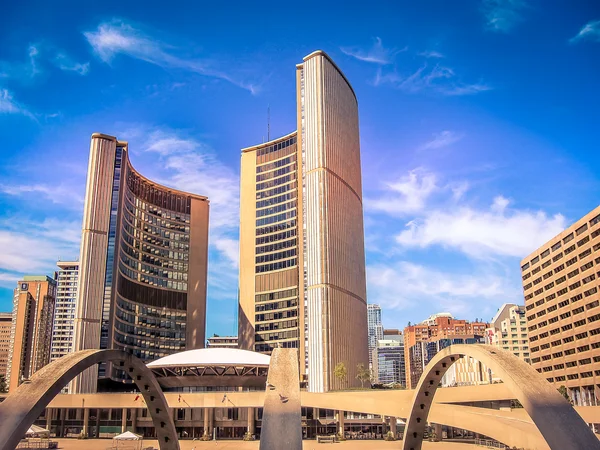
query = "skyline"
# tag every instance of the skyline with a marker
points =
(472, 148)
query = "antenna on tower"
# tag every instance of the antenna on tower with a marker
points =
(268, 123)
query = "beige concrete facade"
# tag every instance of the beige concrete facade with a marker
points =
(143, 264)
(302, 261)
(5, 326)
(560, 284)
(31, 328)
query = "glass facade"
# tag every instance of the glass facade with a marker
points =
(276, 311)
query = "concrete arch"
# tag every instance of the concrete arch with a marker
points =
(26, 404)
(558, 422)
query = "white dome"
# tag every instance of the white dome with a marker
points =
(212, 357)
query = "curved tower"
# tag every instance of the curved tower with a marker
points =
(143, 265)
(301, 204)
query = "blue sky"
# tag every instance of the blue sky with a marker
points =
(479, 123)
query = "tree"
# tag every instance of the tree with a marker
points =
(362, 374)
(2, 383)
(340, 372)
(565, 393)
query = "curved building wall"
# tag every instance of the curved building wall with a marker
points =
(143, 268)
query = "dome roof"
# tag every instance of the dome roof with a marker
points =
(212, 357)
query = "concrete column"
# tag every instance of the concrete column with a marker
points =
(383, 425)
(124, 420)
(393, 426)
(134, 413)
(63, 413)
(86, 419)
(49, 412)
(207, 421)
(251, 425)
(438, 431)
(340, 423)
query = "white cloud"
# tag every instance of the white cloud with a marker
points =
(483, 233)
(8, 105)
(63, 62)
(431, 54)
(229, 248)
(59, 193)
(117, 37)
(407, 195)
(38, 55)
(404, 285)
(439, 79)
(30, 246)
(377, 54)
(503, 15)
(443, 139)
(590, 31)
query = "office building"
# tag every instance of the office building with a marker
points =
(31, 328)
(5, 326)
(432, 331)
(419, 355)
(375, 329)
(508, 331)
(302, 258)
(63, 332)
(388, 361)
(560, 285)
(142, 265)
(217, 341)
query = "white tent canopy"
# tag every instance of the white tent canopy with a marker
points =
(128, 436)
(35, 431)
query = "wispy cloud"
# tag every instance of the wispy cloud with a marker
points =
(483, 233)
(56, 193)
(376, 54)
(431, 54)
(503, 15)
(439, 79)
(117, 37)
(39, 57)
(8, 105)
(30, 246)
(406, 195)
(590, 31)
(443, 139)
(422, 284)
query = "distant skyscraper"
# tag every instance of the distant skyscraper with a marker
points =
(388, 360)
(31, 328)
(375, 331)
(422, 341)
(508, 331)
(143, 263)
(302, 259)
(63, 332)
(222, 342)
(561, 282)
(5, 326)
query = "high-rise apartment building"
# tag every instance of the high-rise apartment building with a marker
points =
(142, 265)
(5, 326)
(375, 329)
(508, 331)
(434, 328)
(302, 259)
(63, 332)
(31, 328)
(388, 361)
(222, 342)
(560, 284)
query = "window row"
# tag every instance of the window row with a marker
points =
(276, 164)
(277, 266)
(276, 246)
(276, 316)
(151, 280)
(276, 200)
(260, 307)
(276, 182)
(274, 326)
(275, 147)
(277, 191)
(275, 336)
(278, 227)
(275, 209)
(276, 295)
(276, 173)
(276, 237)
(277, 218)
(276, 256)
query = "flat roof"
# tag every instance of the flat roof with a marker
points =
(212, 357)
